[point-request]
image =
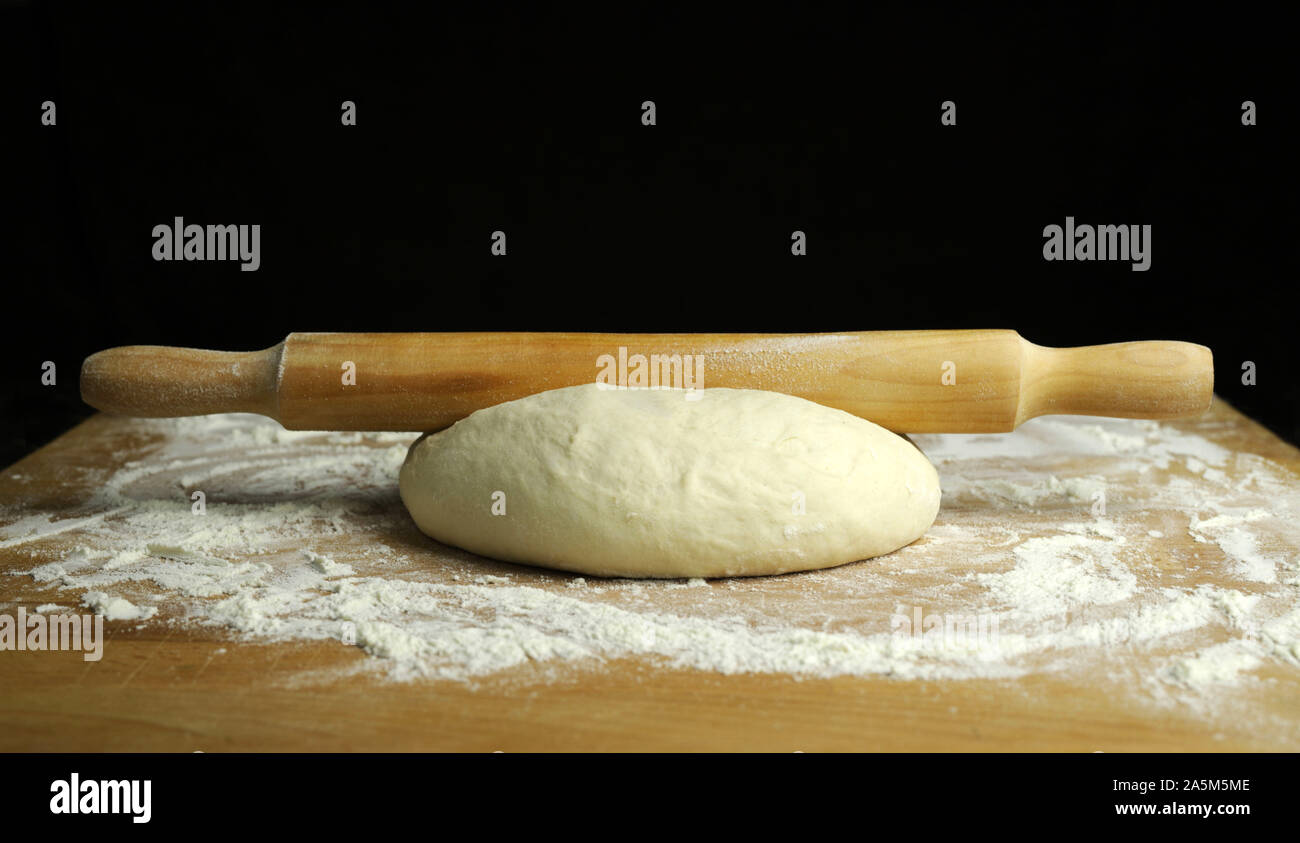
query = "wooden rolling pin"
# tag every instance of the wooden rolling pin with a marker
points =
(972, 381)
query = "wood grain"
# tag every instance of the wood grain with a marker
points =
(163, 688)
(967, 381)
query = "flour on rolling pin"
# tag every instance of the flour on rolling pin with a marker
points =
(1049, 542)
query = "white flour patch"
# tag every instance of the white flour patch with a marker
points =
(116, 608)
(1056, 574)
(328, 566)
(1220, 664)
(1046, 558)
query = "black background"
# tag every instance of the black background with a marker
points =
(529, 122)
(662, 795)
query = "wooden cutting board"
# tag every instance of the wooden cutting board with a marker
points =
(180, 688)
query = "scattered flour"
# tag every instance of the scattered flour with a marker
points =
(1076, 585)
(328, 566)
(1053, 488)
(116, 608)
(1054, 574)
(1222, 663)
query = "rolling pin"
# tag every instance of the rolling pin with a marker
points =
(962, 381)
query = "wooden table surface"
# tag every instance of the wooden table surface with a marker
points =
(173, 688)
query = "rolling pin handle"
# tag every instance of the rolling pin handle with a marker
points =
(150, 381)
(1132, 380)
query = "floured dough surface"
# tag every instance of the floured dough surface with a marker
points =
(668, 483)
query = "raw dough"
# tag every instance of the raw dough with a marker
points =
(650, 483)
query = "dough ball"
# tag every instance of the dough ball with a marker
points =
(669, 483)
